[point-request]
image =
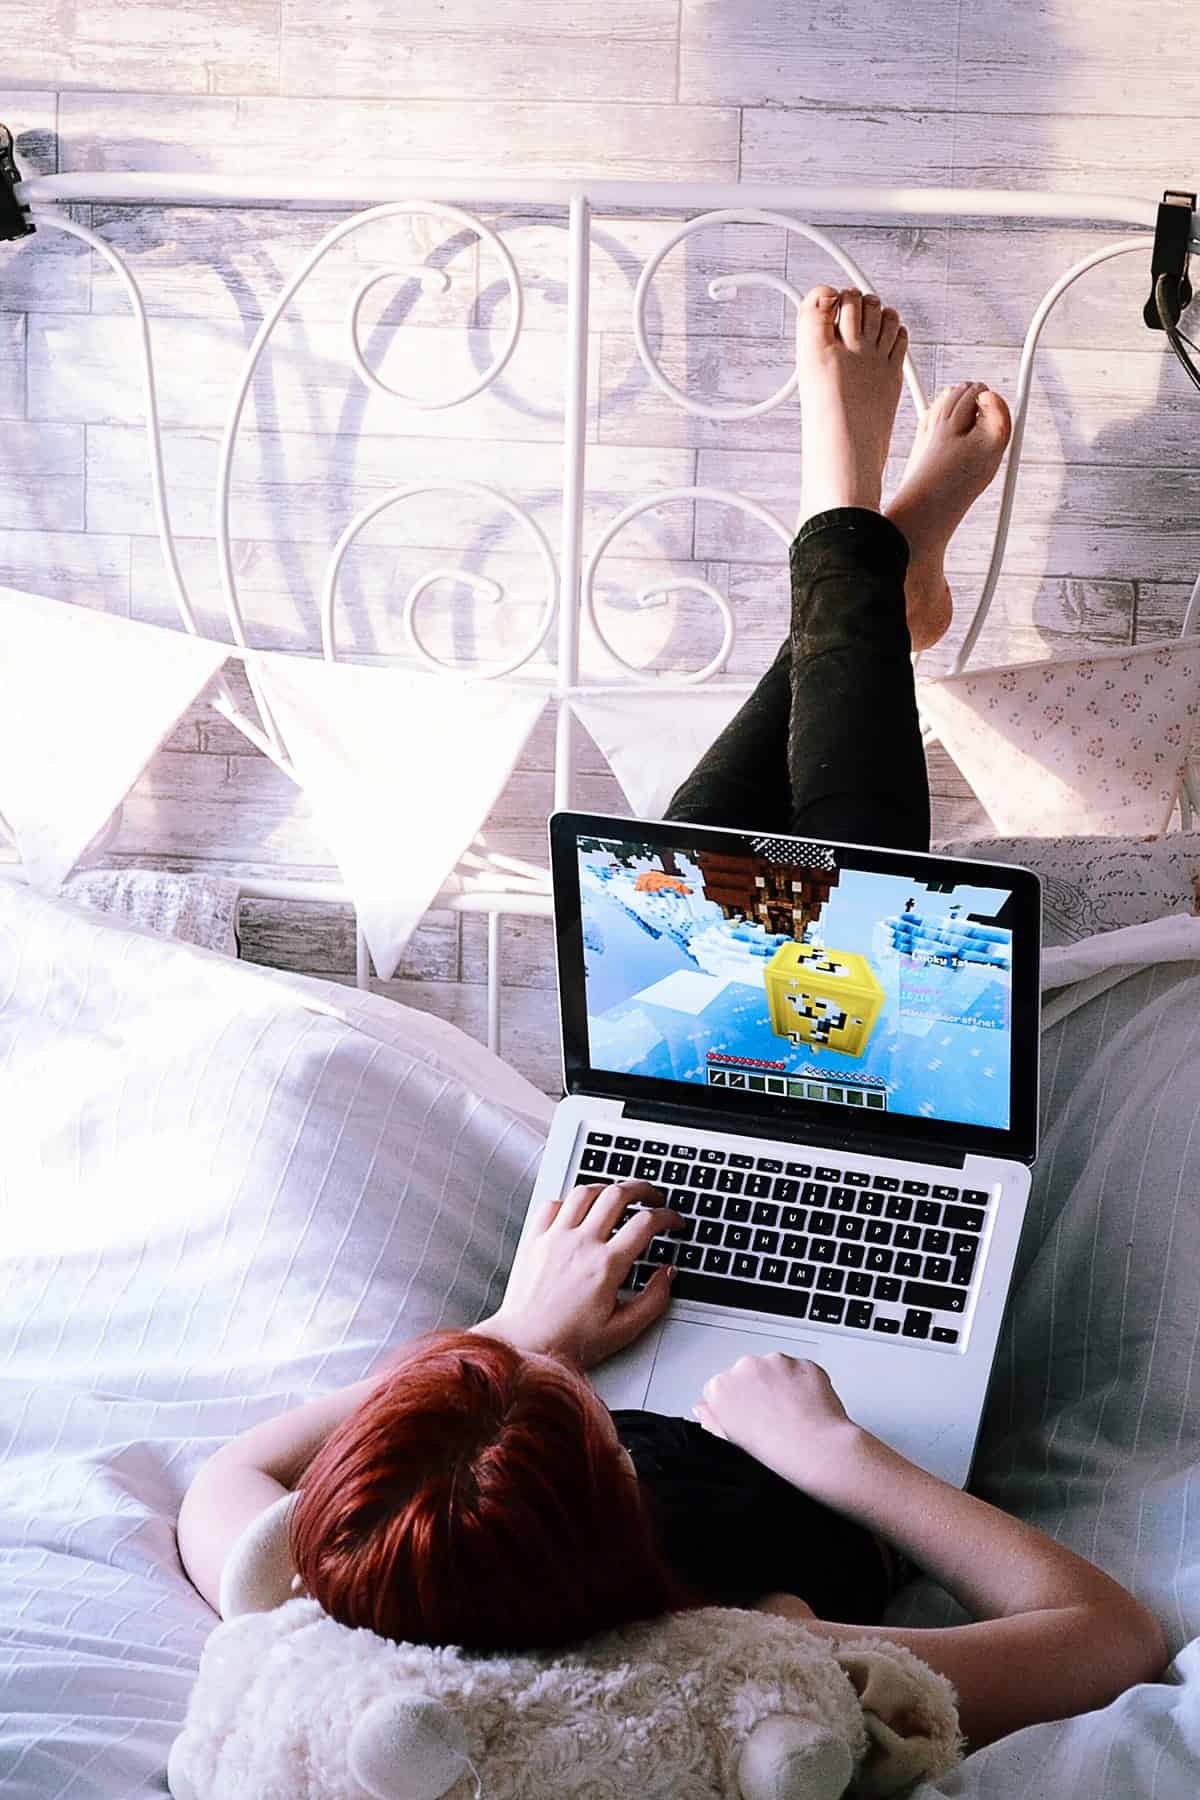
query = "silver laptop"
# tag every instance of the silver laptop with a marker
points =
(826, 1057)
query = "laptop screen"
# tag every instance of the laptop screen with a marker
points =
(780, 973)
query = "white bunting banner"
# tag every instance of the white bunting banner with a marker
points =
(401, 770)
(651, 741)
(1090, 746)
(85, 701)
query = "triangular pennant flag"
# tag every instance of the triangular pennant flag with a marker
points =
(85, 701)
(1090, 746)
(651, 741)
(401, 770)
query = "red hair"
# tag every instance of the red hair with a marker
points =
(474, 1498)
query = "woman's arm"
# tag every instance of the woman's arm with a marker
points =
(561, 1297)
(1054, 1635)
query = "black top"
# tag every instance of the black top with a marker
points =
(735, 1530)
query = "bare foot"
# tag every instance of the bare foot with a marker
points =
(850, 352)
(956, 453)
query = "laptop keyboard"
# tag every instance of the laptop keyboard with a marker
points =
(833, 1246)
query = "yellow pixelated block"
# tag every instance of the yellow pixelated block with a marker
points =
(826, 999)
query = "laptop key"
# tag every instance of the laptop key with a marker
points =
(647, 1168)
(662, 1250)
(851, 1256)
(870, 1205)
(738, 1161)
(651, 1148)
(736, 1210)
(765, 1213)
(767, 1243)
(702, 1177)
(792, 1218)
(880, 1260)
(915, 1187)
(639, 1275)
(821, 1250)
(627, 1143)
(813, 1194)
(745, 1267)
(721, 1288)
(792, 1245)
(975, 1197)
(801, 1275)
(936, 1243)
(892, 1326)
(858, 1313)
(599, 1137)
(708, 1206)
(962, 1218)
(826, 1310)
(710, 1231)
(856, 1178)
(769, 1165)
(964, 1266)
(916, 1324)
(942, 1334)
(685, 1152)
(898, 1208)
(927, 1212)
(822, 1224)
(887, 1287)
(857, 1283)
(785, 1190)
(907, 1237)
(830, 1281)
(738, 1237)
(828, 1174)
(712, 1156)
(801, 1171)
(691, 1256)
(682, 1200)
(945, 1193)
(849, 1227)
(940, 1299)
(937, 1268)
(759, 1186)
(842, 1199)
(772, 1269)
(593, 1162)
(887, 1184)
(729, 1181)
(908, 1263)
(716, 1261)
(619, 1166)
(878, 1231)
(674, 1172)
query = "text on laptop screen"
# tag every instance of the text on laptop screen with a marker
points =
(780, 972)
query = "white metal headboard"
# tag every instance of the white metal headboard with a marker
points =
(490, 882)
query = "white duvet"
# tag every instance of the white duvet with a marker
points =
(224, 1189)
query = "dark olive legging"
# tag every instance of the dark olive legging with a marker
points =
(828, 745)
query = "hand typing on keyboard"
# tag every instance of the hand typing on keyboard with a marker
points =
(562, 1294)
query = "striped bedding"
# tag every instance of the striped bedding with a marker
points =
(224, 1189)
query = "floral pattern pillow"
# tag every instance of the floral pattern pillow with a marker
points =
(1094, 884)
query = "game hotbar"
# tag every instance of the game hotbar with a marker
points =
(779, 971)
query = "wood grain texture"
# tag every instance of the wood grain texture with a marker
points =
(1054, 94)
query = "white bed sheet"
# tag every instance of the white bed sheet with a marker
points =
(223, 1190)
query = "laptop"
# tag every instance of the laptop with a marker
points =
(826, 1057)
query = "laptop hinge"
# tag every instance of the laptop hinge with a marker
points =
(895, 1149)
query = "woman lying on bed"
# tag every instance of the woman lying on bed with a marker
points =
(478, 1492)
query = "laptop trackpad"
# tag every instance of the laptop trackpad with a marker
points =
(690, 1355)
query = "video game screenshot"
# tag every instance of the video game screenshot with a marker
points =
(780, 973)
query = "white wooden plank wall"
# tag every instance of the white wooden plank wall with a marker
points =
(1048, 94)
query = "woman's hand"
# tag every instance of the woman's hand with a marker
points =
(562, 1291)
(784, 1412)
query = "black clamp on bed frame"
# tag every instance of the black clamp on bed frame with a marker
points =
(14, 214)
(1172, 239)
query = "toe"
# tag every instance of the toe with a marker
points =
(889, 326)
(872, 314)
(962, 410)
(815, 317)
(994, 413)
(850, 322)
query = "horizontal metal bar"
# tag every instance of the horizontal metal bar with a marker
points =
(173, 187)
